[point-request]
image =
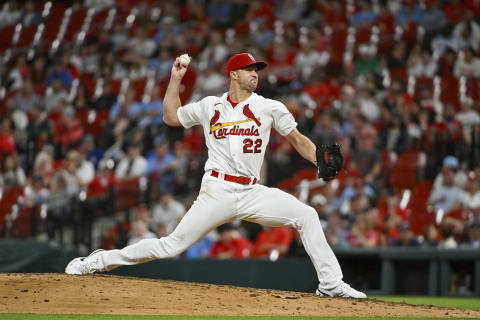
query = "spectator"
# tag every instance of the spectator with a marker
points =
(210, 82)
(365, 14)
(448, 240)
(308, 59)
(29, 15)
(472, 194)
(131, 165)
(39, 72)
(367, 158)
(162, 163)
(448, 196)
(431, 236)
(44, 163)
(139, 232)
(260, 36)
(57, 96)
(320, 204)
(469, 118)
(405, 237)
(60, 72)
(467, 35)
(272, 241)
(26, 99)
(421, 64)
(18, 73)
(153, 110)
(366, 62)
(202, 248)
(434, 18)
(230, 244)
(467, 65)
(69, 132)
(327, 128)
(106, 99)
(168, 211)
(162, 63)
(364, 233)
(450, 164)
(337, 231)
(140, 48)
(82, 99)
(393, 135)
(10, 13)
(7, 140)
(12, 173)
(216, 52)
(128, 109)
(35, 193)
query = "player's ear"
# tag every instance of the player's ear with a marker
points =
(233, 75)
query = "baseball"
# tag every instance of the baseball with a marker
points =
(184, 60)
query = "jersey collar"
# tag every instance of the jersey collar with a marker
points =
(226, 98)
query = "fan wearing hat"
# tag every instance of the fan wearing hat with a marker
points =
(450, 165)
(237, 127)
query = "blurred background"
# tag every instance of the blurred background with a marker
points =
(87, 162)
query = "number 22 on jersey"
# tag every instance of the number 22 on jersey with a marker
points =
(249, 143)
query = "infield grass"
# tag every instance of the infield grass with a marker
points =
(450, 302)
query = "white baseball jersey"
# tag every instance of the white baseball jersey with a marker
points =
(237, 137)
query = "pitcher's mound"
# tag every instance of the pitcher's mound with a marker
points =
(100, 294)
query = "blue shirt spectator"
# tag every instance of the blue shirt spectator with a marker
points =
(129, 108)
(62, 74)
(406, 15)
(365, 15)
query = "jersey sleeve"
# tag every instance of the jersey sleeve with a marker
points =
(283, 120)
(192, 114)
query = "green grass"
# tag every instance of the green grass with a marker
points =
(122, 317)
(451, 302)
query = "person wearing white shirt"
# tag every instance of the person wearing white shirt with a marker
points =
(168, 211)
(133, 165)
(448, 196)
(467, 65)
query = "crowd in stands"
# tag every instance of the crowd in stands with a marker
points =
(395, 82)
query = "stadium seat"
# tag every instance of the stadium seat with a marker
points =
(6, 38)
(26, 37)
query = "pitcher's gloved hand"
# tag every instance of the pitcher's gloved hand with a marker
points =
(329, 161)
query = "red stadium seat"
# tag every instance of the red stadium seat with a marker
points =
(127, 194)
(419, 215)
(139, 86)
(363, 35)
(6, 38)
(404, 172)
(26, 37)
(450, 91)
(76, 21)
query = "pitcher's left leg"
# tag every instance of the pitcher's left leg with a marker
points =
(273, 207)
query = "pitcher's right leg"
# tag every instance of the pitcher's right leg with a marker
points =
(214, 206)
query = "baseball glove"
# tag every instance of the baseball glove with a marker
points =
(329, 161)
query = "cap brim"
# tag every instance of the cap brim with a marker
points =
(259, 64)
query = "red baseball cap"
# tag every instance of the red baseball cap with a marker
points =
(243, 60)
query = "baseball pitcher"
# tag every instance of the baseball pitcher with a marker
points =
(237, 130)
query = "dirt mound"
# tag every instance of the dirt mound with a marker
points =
(102, 294)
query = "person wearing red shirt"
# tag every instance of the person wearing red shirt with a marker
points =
(270, 239)
(231, 244)
(7, 140)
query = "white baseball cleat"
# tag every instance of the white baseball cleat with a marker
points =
(84, 265)
(343, 290)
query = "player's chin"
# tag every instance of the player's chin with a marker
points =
(252, 86)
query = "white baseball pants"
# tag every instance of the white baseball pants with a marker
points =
(220, 202)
